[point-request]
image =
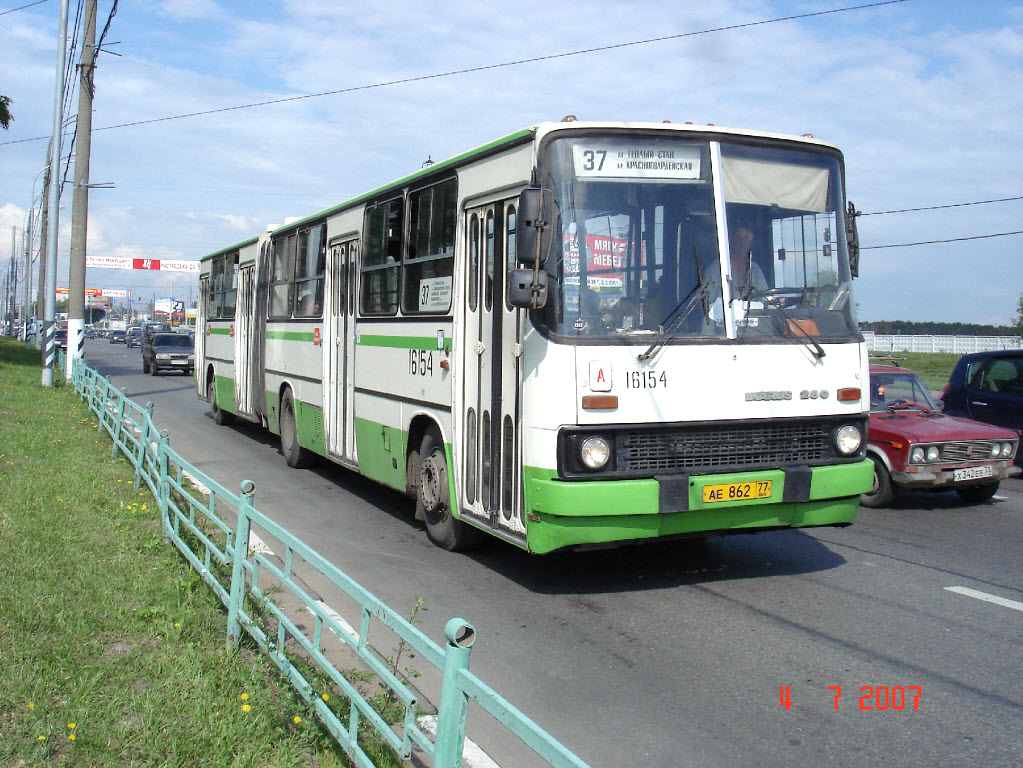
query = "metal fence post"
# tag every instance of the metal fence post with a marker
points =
(102, 410)
(120, 420)
(163, 479)
(453, 709)
(140, 459)
(239, 555)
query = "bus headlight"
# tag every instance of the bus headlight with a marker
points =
(848, 440)
(594, 452)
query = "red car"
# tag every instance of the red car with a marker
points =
(916, 447)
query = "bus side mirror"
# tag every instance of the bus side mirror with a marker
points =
(527, 289)
(533, 238)
(853, 239)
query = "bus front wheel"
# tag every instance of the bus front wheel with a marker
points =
(295, 455)
(433, 499)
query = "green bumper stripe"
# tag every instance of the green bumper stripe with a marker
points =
(220, 331)
(401, 342)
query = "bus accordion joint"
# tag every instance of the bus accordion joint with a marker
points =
(600, 402)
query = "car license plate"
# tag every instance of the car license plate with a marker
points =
(179, 362)
(971, 473)
(757, 489)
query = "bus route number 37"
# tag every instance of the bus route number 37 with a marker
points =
(420, 362)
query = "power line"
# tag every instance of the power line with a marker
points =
(487, 67)
(938, 207)
(935, 242)
(23, 7)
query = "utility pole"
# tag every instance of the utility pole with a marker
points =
(8, 299)
(54, 203)
(80, 201)
(27, 303)
(41, 295)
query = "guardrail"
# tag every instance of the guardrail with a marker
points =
(245, 578)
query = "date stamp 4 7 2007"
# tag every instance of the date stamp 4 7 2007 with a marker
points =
(872, 697)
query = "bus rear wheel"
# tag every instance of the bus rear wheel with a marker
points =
(433, 499)
(220, 417)
(294, 454)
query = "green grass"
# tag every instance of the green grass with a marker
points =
(112, 650)
(933, 368)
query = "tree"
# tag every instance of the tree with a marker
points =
(1018, 325)
(5, 112)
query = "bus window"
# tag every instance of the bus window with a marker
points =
(430, 261)
(382, 257)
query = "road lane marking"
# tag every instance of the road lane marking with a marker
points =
(1005, 603)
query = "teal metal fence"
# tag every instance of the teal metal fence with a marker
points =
(214, 529)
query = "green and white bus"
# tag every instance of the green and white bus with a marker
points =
(578, 335)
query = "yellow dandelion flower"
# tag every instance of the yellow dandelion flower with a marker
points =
(296, 720)
(71, 737)
(325, 697)
(71, 726)
(31, 705)
(144, 507)
(244, 697)
(41, 738)
(246, 707)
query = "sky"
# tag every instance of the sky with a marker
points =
(924, 97)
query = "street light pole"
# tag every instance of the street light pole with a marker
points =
(54, 203)
(80, 201)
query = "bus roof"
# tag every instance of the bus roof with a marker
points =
(539, 131)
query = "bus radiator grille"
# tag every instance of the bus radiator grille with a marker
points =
(720, 447)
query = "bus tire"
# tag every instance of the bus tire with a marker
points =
(220, 417)
(880, 493)
(433, 499)
(294, 454)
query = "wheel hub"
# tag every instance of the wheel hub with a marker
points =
(429, 477)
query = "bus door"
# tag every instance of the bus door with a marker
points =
(200, 335)
(244, 343)
(490, 467)
(337, 351)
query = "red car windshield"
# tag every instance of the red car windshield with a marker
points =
(895, 389)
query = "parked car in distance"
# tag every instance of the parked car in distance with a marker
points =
(60, 339)
(118, 337)
(168, 351)
(134, 337)
(988, 387)
(914, 446)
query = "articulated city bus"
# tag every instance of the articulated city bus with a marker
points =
(580, 334)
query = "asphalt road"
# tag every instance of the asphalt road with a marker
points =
(677, 654)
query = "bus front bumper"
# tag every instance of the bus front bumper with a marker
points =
(563, 514)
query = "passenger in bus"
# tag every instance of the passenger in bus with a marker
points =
(747, 276)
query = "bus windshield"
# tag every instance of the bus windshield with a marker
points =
(695, 240)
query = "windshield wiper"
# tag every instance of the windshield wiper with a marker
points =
(785, 321)
(681, 311)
